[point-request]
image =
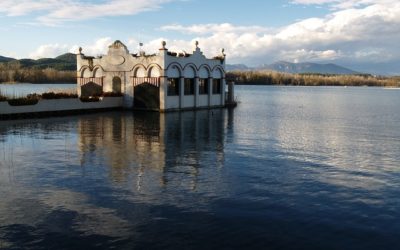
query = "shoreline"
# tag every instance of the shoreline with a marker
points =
(341, 86)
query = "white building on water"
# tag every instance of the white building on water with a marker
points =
(165, 81)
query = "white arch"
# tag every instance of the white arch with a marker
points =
(98, 72)
(189, 71)
(140, 71)
(86, 72)
(204, 72)
(154, 71)
(174, 70)
(218, 73)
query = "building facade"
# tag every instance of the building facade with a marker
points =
(165, 81)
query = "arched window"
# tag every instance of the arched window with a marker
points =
(116, 85)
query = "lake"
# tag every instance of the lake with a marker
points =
(289, 168)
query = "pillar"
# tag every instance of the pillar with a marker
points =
(196, 92)
(210, 89)
(181, 91)
(163, 93)
(223, 86)
(231, 92)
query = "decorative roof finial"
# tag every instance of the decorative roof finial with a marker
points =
(163, 44)
(80, 50)
(223, 52)
(197, 44)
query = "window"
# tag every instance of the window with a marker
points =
(189, 86)
(116, 85)
(203, 86)
(217, 86)
(173, 86)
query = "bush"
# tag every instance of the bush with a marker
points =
(22, 101)
(52, 95)
(90, 98)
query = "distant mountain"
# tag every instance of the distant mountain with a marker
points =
(67, 57)
(307, 67)
(6, 59)
(241, 67)
(68, 62)
(294, 68)
(63, 62)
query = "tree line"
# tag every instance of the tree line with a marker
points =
(15, 72)
(278, 78)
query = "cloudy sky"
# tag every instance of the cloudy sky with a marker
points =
(361, 34)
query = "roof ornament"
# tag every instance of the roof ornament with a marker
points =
(80, 50)
(223, 52)
(197, 44)
(141, 51)
(163, 44)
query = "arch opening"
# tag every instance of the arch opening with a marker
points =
(147, 97)
(91, 89)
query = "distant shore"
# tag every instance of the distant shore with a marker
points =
(49, 76)
(277, 78)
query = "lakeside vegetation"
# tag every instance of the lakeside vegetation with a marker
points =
(62, 70)
(14, 72)
(277, 78)
(33, 99)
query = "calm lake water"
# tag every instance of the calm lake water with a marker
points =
(24, 89)
(289, 168)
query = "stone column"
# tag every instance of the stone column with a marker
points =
(210, 89)
(231, 92)
(163, 92)
(223, 84)
(128, 91)
(181, 91)
(196, 92)
(78, 87)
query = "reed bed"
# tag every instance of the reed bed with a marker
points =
(277, 78)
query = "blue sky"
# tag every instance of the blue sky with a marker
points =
(362, 34)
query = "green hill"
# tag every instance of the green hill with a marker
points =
(44, 70)
(65, 62)
(6, 59)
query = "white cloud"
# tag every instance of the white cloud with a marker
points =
(54, 12)
(49, 51)
(367, 33)
(302, 55)
(99, 47)
(213, 28)
(344, 4)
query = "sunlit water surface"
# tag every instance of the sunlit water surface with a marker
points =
(289, 168)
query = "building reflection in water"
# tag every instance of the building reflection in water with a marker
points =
(154, 150)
